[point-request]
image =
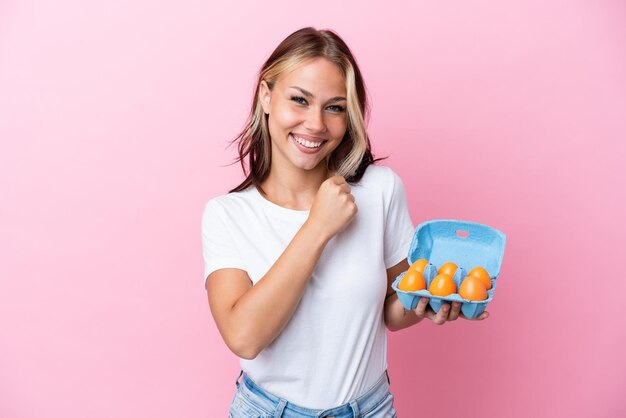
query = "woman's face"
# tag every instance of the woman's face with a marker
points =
(307, 114)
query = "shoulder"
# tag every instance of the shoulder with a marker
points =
(230, 203)
(380, 176)
(375, 171)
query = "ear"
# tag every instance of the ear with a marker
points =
(265, 95)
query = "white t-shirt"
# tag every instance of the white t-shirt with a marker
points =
(335, 345)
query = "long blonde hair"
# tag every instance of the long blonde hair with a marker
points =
(353, 155)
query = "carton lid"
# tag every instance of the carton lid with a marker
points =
(467, 244)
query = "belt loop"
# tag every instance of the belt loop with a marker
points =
(355, 408)
(237, 380)
(280, 408)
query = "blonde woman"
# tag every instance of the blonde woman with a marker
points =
(300, 257)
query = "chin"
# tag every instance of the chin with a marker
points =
(308, 166)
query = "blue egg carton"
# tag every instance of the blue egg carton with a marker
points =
(467, 244)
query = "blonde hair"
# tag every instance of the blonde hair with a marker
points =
(353, 155)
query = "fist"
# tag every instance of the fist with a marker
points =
(334, 207)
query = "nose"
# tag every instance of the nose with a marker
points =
(314, 121)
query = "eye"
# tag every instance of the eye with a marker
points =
(336, 108)
(299, 99)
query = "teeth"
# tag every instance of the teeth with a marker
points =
(306, 143)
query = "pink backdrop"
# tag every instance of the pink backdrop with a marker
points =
(114, 118)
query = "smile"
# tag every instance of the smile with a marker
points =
(306, 143)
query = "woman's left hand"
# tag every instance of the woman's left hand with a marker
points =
(446, 312)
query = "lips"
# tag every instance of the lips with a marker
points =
(307, 144)
(307, 140)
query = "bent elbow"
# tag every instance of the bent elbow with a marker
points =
(245, 352)
(243, 349)
(391, 328)
(251, 355)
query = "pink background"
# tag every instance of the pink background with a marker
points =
(114, 120)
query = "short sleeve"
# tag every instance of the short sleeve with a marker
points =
(218, 247)
(398, 225)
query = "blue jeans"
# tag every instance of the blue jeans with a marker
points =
(250, 401)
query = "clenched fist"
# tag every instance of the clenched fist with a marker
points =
(333, 208)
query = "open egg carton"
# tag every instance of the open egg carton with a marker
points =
(467, 244)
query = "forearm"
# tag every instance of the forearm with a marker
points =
(263, 311)
(396, 316)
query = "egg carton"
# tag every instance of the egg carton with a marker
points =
(467, 244)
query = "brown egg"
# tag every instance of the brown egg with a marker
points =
(412, 281)
(473, 288)
(442, 285)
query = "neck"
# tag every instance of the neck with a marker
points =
(294, 189)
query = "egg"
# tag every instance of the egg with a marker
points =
(473, 288)
(482, 274)
(448, 268)
(442, 285)
(419, 265)
(412, 281)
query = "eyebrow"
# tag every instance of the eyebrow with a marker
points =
(310, 95)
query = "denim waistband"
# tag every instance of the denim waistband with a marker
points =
(280, 407)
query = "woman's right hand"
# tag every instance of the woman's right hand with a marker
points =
(334, 207)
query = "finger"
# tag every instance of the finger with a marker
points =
(420, 309)
(480, 317)
(455, 311)
(441, 316)
(483, 315)
(338, 179)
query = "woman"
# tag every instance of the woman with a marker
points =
(300, 257)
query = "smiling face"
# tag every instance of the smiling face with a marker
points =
(307, 115)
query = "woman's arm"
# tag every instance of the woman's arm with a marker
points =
(250, 317)
(396, 317)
